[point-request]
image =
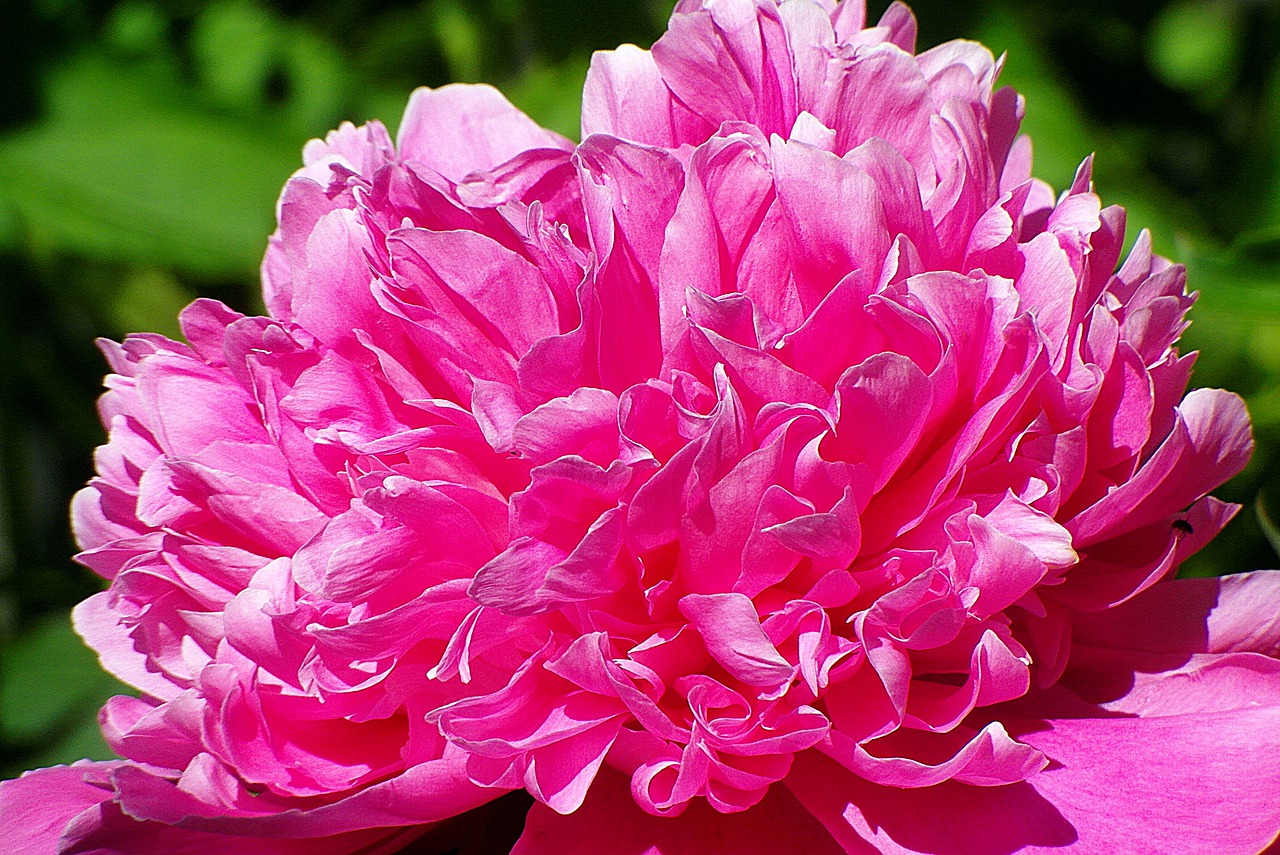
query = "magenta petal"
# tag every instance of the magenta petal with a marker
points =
(1229, 614)
(114, 833)
(481, 288)
(886, 389)
(102, 629)
(813, 187)
(610, 823)
(990, 758)
(625, 96)
(731, 630)
(947, 819)
(1122, 782)
(729, 60)
(1210, 441)
(532, 576)
(428, 792)
(37, 807)
(336, 249)
(584, 423)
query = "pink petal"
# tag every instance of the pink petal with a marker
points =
(425, 793)
(947, 819)
(1235, 613)
(610, 823)
(36, 807)
(625, 96)
(1123, 782)
(115, 833)
(730, 60)
(103, 629)
(460, 128)
(990, 758)
(1210, 442)
(731, 630)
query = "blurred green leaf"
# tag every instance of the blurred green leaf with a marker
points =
(126, 167)
(34, 707)
(149, 298)
(1236, 324)
(318, 83)
(1235, 291)
(1269, 528)
(234, 44)
(1259, 244)
(507, 11)
(460, 39)
(1268, 155)
(251, 60)
(10, 228)
(82, 741)
(552, 95)
(137, 28)
(1059, 130)
(1192, 46)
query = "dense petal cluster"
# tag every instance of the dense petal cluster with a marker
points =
(783, 468)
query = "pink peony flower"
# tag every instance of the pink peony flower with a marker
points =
(782, 469)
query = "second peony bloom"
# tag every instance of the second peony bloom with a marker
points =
(781, 469)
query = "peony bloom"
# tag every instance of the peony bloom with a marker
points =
(782, 469)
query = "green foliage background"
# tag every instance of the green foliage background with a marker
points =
(143, 142)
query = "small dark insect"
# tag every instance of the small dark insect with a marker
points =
(1183, 526)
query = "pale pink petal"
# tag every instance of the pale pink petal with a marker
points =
(460, 129)
(102, 629)
(625, 96)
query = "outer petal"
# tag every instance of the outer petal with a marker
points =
(428, 792)
(1171, 720)
(1118, 782)
(35, 808)
(113, 833)
(459, 129)
(1209, 443)
(1184, 783)
(1234, 613)
(102, 629)
(625, 97)
(948, 819)
(610, 823)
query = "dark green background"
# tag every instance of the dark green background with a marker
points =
(142, 145)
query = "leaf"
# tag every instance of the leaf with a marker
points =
(136, 28)
(150, 299)
(82, 741)
(1243, 292)
(1269, 529)
(1192, 46)
(552, 94)
(460, 39)
(52, 682)
(128, 167)
(1236, 325)
(234, 46)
